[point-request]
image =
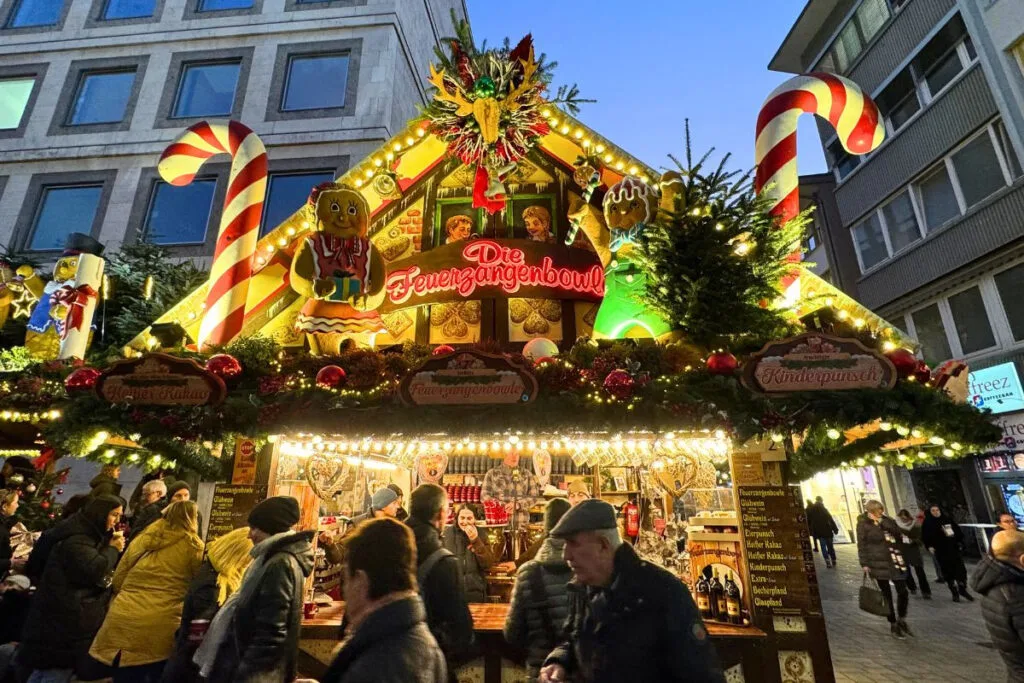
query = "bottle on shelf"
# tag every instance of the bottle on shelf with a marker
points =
(718, 602)
(702, 591)
(732, 600)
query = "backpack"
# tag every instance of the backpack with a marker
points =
(423, 571)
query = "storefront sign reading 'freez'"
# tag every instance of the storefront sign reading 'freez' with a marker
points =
(468, 378)
(817, 362)
(158, 379)
(996, 388)
(486, 268)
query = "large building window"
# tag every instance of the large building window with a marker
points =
(220, 5)
(128, 9)
(14, 97)
(286, 193)
(842, 161)
(315, 82)
(52, 224)
(1010, 284)
(938, 198)
(101, 97)
(206, 90)
(978, 170)
(870, 242)
(899, 100)
(29, 13)
(931, 333)
(901, 222)
(179, 215)
(971, 321)
(860, 30)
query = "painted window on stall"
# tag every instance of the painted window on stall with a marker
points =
(456, 220)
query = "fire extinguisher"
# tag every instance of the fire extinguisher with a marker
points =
(632, 515)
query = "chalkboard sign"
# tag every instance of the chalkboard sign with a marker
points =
(778, 549)
(231, 506)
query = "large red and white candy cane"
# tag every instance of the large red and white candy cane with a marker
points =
(239, 221)
(853, 114)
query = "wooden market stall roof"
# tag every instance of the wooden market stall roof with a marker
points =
(411, 154)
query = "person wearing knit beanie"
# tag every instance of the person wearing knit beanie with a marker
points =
(553, 512)
(179, 492)
(275, 515)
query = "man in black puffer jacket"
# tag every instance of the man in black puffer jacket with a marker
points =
(540, 599)
(438, 576)
(262, 642)
(999, 578)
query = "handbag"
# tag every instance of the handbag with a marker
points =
(872, 600)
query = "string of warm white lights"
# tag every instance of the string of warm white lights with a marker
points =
(631, 449)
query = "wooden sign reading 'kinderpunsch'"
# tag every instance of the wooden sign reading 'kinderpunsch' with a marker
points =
(158, 379)
(817, 362)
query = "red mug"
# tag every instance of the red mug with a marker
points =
(310, 609)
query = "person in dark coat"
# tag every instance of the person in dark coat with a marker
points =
(219, 577)
(999, 579)
(438, 577)
(8, 509)
(880, 551)
(910, 529)
(16, 464)
(942, 536)
(469, 545)
(540, 597)
(808, 513)
(71, 601)
(151, 505)
(255, 637)
(629, 620)
(823, 528)
(105, 483)
(388, 638)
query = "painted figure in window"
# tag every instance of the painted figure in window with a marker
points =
(339, 271)
(538, 224)
(46, 322)
(457, 228)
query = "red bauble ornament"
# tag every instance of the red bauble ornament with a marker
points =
(60, 492)
(722, 363)
(45, 505)
(224, 366)
(82, 379)
(904, 360)
(619, 384)
(330, 377)
(545, 359)
(922, 373)
(443, 349)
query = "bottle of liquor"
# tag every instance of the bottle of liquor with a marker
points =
(732, 600)
(718, 604)
(702, 591)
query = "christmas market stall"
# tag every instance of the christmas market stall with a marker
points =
(503, 302)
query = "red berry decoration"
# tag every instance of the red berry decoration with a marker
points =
(545, 359)
(619, 384)
(443, 349)
(722, 363)
(330, 377)
(224, 366)
(905, 362)
(45, 505)
(922, 373)
(82, 379)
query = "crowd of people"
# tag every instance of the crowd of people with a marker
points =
(140, 598)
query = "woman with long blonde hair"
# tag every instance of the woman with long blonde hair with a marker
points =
(150, 583)
(227, 558)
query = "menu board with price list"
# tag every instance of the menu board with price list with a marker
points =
(231, 506)
(778, 549)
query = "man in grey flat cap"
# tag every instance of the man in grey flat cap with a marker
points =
(629, 620)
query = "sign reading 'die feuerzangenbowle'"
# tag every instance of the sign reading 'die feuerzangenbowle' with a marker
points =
(485, 268)
(158, 379)
(817, 362)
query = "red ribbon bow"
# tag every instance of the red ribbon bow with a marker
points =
(75, 299)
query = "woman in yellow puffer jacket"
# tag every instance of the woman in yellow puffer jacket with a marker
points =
(150, 583)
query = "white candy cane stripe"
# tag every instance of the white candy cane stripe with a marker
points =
(840, 101)
(239, 222)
